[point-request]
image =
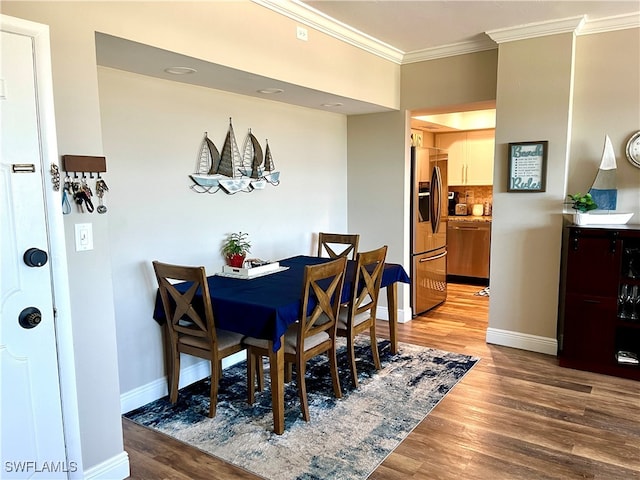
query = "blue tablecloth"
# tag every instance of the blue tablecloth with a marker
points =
(264, 307)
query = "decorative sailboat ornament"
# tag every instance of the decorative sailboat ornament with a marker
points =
(206, 177)
(252, 162)
(604, 191)
(231, 163)
(270, 175)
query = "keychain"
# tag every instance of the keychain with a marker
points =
(101, 189)
(87, 194)
(66, 193)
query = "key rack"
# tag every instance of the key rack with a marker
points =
(84, 164)
(78, 190)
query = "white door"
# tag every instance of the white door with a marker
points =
(32, 441)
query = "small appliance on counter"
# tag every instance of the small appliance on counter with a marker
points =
(454, 197)
(477, 210)
(461, 208)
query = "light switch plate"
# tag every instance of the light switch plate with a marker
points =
(84, 236)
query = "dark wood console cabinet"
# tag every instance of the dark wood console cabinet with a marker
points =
(599, 321)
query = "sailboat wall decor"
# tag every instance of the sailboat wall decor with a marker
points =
(231, 171)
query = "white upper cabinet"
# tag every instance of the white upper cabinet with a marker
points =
(470, 156)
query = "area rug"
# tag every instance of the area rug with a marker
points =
(346, 438)
(484, 292)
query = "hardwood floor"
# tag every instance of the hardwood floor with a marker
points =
(516, 415)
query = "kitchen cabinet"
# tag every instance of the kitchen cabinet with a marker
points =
(599, 325)
(470, 156)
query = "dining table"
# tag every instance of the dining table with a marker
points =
(265, 306)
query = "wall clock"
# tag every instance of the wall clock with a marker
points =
(633, 149)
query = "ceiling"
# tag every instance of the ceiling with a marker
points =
(402, 31)
(413, 26)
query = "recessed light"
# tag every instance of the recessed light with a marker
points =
(180, 70)
(270, 91)
(332, 105)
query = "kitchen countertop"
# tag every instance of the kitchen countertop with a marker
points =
(469, 218)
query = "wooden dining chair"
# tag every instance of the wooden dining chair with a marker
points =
(359, 314)
(336, 245)
(191, 325)
(314, 333)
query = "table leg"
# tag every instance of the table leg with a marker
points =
(392, 305)
(276, 364)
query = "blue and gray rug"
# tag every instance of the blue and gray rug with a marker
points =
(346, 438)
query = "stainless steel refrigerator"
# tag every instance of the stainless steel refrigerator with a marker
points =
(429, 215)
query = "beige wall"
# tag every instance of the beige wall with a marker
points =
(152, 131)
(377, 193)
(535, 79)
(606, 102)
(458, 80)
(237, 34)
(379, 144)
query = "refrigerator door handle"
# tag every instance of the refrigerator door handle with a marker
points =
(430, 259)
(436, 198)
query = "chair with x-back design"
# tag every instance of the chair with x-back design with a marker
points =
(359, 314)
(336, 245)
(314, 333)
(191, 326)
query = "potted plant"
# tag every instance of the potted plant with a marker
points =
(582, 203)
(235, 248)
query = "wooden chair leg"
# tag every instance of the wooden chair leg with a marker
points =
(374, 347)
(215, 380)
(288, 372)
(351, 354)
(260, 373)
(302, 388)
(251, 371)
(335, 378)
(174, 376)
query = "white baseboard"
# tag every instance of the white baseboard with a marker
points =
(404, 316)
(116, 468)
(523, 341)
(158, 388)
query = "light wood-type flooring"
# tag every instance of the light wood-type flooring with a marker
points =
(516, 415)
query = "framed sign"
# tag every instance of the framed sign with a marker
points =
(527, 166)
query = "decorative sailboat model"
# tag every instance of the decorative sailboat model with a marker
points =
(270, 175)
(206, 177)
(231, 171)
(230, 163)
(605, 193)
(252, 162)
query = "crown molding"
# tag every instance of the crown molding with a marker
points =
(609, 24)
(449, 50)
(317, 20)
(533, 30)
(311, 17)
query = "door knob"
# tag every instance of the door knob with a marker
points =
(34, 257)
(30, 317)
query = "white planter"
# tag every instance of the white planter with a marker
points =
(601, 218)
